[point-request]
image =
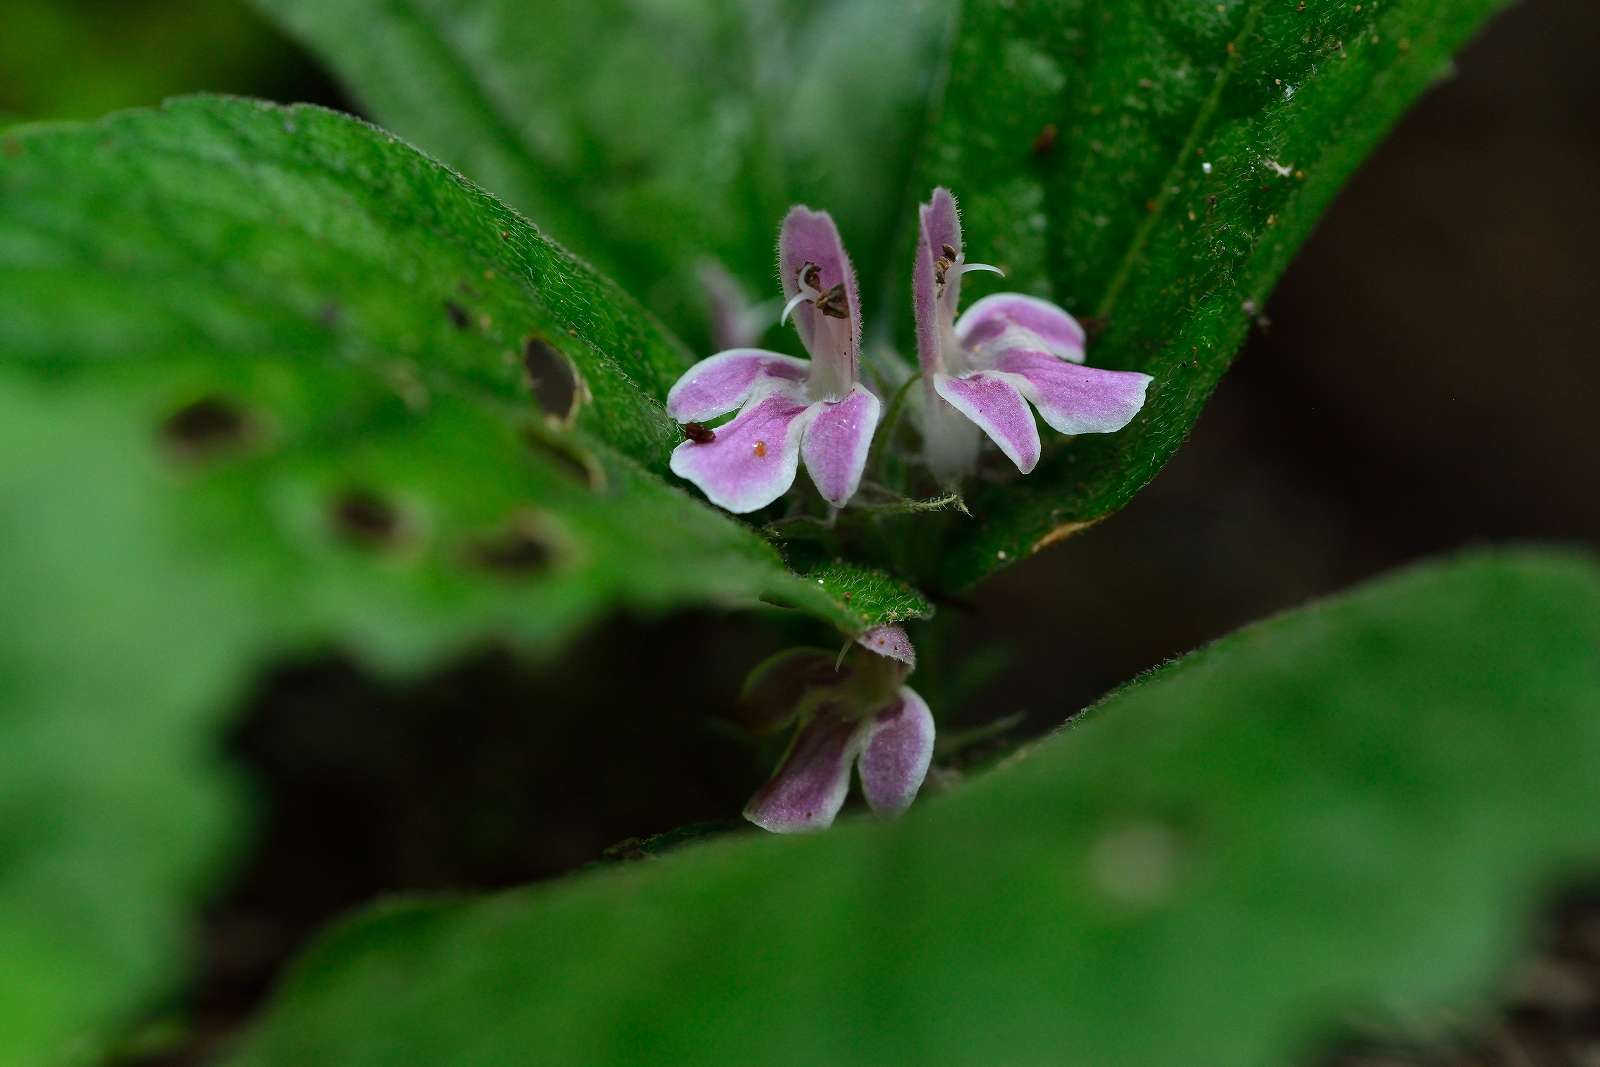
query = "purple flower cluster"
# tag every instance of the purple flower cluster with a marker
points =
(981, 371)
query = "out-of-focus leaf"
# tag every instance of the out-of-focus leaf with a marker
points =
(647, 136)
(1345, 806)
(1152, 166)
(68, 59)
(268, 378)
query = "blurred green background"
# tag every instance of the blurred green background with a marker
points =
(76, 59)
(1426, 380)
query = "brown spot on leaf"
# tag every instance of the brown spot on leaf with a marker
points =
(552, 378)
(457, 314)
(1045, 142)
(11, 147)
(1094, 326)
(1061, 533)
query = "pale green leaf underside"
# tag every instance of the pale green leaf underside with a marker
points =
(1345, 807)
(262, 385)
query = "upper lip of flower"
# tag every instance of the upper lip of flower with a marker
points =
(790, 410)
(1008, 351)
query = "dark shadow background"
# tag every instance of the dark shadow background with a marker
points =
(1428, 380)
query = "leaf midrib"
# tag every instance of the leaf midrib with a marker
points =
(1170, 179)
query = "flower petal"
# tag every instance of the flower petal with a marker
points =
(752, 460)
(941, 233)
(924, 305)
(988, 322)
(776, 691)
(889, 641)
(898, 750)
(810, 785)
(837, 441)
(811, 237)
(1074, 399)
(941, 223)
(997, 407)
(720, 383)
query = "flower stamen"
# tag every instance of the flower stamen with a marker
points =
(832, 303)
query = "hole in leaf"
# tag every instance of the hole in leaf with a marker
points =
(457, 314)
(579, 467)
(205, 426)
(365, 518)
(552, 378)
(522, 549)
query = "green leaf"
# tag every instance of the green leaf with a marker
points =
(1195, 145)
(1350, 805)
(265, 384)
(649, 136)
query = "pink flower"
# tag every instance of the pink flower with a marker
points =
(862, 715)
(1008, 351)
(790, 410)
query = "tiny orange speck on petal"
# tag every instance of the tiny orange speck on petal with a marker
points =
(761, 449)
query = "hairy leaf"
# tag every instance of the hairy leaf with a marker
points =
(1342, 807)
(1152, 166)
(269, 377)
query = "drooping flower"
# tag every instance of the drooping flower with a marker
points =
(790, 410)
(1007, 351)
(859, 715)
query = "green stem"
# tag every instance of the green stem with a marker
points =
(891, 422)
(898, 504)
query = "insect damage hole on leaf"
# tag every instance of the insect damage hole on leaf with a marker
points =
(205, 427)
(457, 315)
(577, 465)
(527, 545)
(362, 517)
(552, 378)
